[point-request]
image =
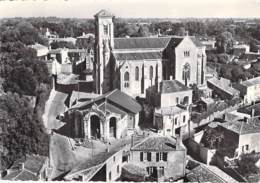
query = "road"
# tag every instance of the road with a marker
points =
(61, 155)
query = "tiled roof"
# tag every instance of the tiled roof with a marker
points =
(104, 13)
(175, 41)
(37, 46)
(169, 110)
(111, 108)
(223, 84)
(141, 43)
(26, 175)
(196, 41)
(241, 127)
(171, 86)
(117, 98)
(21, 175)
(212, 174)
(34, 163)
(252, 82)
(138, 56)
(207, 101)
(12, 175)
(156, 143)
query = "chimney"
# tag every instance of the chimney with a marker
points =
(252, 113)
(186, 33)
(170, 77)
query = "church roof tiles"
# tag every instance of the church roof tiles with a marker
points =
(138, 56)
(141, 43)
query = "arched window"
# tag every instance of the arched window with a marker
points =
(186, 73)
(151, 72)
(137, 74)
(126, 79)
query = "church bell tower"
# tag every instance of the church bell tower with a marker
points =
(104, 43)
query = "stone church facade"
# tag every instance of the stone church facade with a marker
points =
(134, 64)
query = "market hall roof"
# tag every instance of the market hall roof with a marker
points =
(115, 97)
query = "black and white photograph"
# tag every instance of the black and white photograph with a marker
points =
(130, 91)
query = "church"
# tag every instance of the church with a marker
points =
(133, 65)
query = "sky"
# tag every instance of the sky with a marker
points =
(132, 8)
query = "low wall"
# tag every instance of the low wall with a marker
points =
(203, 153)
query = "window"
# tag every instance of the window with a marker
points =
(126, 80)
(175, 121)
(117, 168)
(165, 156)
(247, 147)
(157, 156)
(151, 72)
(114, 158)
(137, 74)
(110, 176)
(168, 130)
(184, 118)
(105, 29)
(149, 156)
(186, 53)
(141, 156)
(177, 100)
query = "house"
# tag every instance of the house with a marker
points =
(240, 50)
(106, 167)
(170, 93)
(203, 173)
(210, 44)
(69, 60)
(41, 50)
(85, 40)
(250, 90)
(223, 88)
(134, 64)
(107, 117)
(245, 134)
(29, 168)
(171, 121)
(171, 102)
(164, 158)
(204, 104)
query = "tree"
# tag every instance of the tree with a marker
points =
(143, 31)
(62, 44)
(21, 80)
(224, 42)
(22, 131)
(181, 31)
